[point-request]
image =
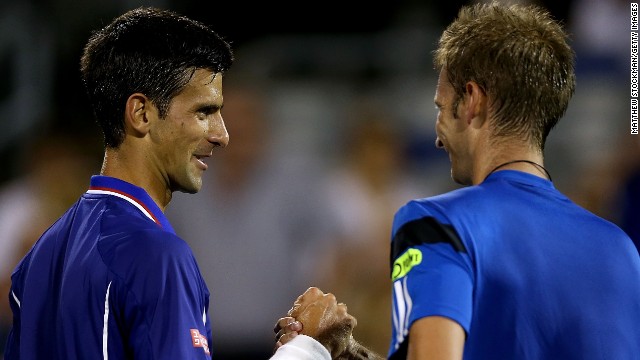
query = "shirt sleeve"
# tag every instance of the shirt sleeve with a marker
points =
(431, 275)
(302, 347)
(165, 302)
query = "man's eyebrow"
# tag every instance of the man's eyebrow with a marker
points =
(208, 108)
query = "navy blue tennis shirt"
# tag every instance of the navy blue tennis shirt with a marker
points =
(109, 279)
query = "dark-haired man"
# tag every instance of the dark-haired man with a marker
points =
(111, 279)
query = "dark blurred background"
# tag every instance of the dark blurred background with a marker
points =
(331, 116)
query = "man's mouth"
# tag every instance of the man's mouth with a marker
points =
(200, 160)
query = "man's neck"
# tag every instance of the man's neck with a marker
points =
(508, 156)
(123, 166)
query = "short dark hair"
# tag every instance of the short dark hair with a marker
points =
(147, 50)
(520, 57)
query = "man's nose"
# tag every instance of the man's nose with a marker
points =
(218, 134)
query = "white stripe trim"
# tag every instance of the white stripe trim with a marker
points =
(135, 203)
(15, 298)
(400, 308)
(402, 312)
(394, 313)
(407, 298)
(105, 326)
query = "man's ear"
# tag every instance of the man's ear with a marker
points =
(138, 114)
(475, 103)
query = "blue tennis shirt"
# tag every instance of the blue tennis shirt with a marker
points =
(526, 273)
(109, 280)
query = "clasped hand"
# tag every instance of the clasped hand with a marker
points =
(319, 316)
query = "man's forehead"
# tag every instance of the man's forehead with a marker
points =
(205, 77)
(441, 86)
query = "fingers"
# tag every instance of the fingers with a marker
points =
(285, 338)
(343, 312)
(323, 317)
(328, 321)
(310, 295)
(313, 296)
(282, 323)
(286, 329)
(314, 308)
(318, 311)
(319, 302)
(285, 326)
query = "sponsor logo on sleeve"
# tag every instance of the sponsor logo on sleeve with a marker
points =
(405, 262)
(199, 341)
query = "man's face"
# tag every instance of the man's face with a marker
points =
(450, 130)
(192, 128)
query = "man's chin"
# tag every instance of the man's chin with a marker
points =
(190, 188)
(190, 191)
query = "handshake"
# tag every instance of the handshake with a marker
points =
(320, 316)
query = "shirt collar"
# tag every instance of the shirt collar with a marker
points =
(521, 177)
(135, 195)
